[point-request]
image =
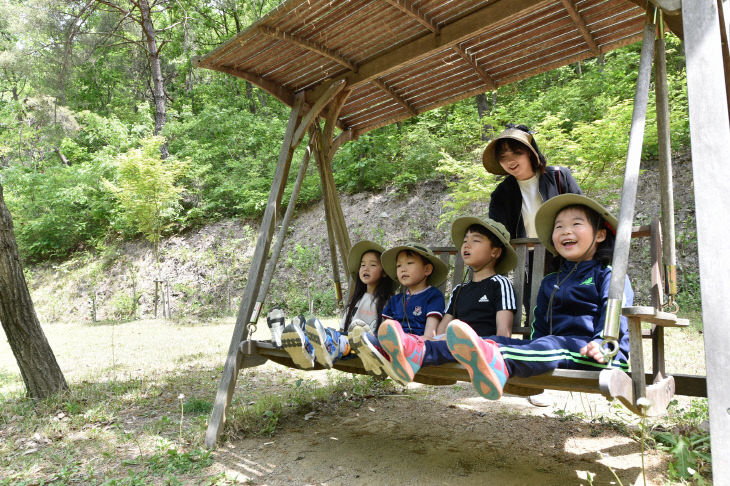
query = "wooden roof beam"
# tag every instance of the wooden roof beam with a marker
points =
(310, 46)
(413, 12)
(428, 44)
(401, 101)
(488, 80)
(580, 22)
(277, 91)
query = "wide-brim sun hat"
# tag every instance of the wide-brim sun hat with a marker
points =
(356, 253)
(489, 157)
(440, 269)
(509, 255)
(545, 216)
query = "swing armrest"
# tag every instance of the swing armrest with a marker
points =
(654, 316)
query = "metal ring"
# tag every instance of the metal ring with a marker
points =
(609, 348)
(672, 307)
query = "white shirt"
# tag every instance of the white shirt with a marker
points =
(531, 202)
(365, 310)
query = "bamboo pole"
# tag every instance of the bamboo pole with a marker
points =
(628, 195)
(255, 273)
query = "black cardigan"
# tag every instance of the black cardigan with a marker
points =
(505, 204)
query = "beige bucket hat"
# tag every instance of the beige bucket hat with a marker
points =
(545, 216)
(356, 253)
(489, 157)
(509, 255)
(440, 270)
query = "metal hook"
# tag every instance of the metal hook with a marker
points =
(609, 349)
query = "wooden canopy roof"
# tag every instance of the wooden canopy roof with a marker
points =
(400, 58)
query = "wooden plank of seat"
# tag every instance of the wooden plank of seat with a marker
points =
(654, 316)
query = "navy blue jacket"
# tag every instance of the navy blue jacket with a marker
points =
(579, 304)
(505, 204)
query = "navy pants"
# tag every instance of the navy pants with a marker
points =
(530, 357)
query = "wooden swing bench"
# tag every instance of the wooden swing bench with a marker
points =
(630, 389)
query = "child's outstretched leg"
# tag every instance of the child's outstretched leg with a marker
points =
(365, 344)
(481, 358)
(329, 344)
(405, 350)
(297, 345)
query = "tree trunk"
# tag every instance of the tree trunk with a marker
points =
(158, 89)
(41, 373)
(483, 109)
(251, 100)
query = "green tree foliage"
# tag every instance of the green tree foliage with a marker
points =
(146, 191)
(76, 91)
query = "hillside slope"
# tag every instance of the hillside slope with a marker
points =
(206, 269)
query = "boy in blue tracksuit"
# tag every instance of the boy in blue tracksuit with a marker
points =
(571, 305)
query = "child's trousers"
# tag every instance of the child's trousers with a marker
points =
(530, 357)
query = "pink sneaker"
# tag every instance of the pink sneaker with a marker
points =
(405, 350)
(481, 358)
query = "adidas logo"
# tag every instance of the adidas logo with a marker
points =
(484, 298)
(588, 281)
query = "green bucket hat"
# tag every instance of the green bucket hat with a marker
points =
(509, 255)
(440, 270)
(489, 157)
(545, 216)
(356, 253)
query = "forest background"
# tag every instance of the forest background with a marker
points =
(108, 135)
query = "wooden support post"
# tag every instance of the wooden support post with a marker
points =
(636, 358)
(281, 235)
(628, 193)
(255, 273)
(710, 130)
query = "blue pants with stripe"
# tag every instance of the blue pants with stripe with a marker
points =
(530, 357)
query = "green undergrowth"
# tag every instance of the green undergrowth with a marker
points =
(150, 429)
(264, 412)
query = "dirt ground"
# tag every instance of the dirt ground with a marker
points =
(445, 435)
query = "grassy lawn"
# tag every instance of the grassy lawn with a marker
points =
(141, 393)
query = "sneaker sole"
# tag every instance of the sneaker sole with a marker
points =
(393, 345)
(318, 338)
(484, 377)
(294, 347)
(372, 360)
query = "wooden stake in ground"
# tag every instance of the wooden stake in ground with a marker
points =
(37, 363)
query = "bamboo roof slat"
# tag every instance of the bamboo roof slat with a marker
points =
(399, 58)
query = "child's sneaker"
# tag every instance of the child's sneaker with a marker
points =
(364, 345)
(324, 341)
(405, 350)
(481, 358)
(276, 321)
(297, 345)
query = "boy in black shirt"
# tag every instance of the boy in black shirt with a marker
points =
(487, 303)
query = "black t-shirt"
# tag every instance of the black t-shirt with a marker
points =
(477, 303)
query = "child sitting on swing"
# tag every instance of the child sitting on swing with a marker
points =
(372, 290)
(568, 324)
(486, 303)
(419, 307)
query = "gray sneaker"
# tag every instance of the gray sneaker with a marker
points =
(276, 322)
(373, 360)
(297, 346)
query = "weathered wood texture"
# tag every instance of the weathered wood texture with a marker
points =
(710, 131)
(38, 367)
(401, 58)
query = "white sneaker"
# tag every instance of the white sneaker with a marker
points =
(276, 321)
(539, 400)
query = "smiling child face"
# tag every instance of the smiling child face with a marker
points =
(573, 235)
(371, 271)
(412, 271)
